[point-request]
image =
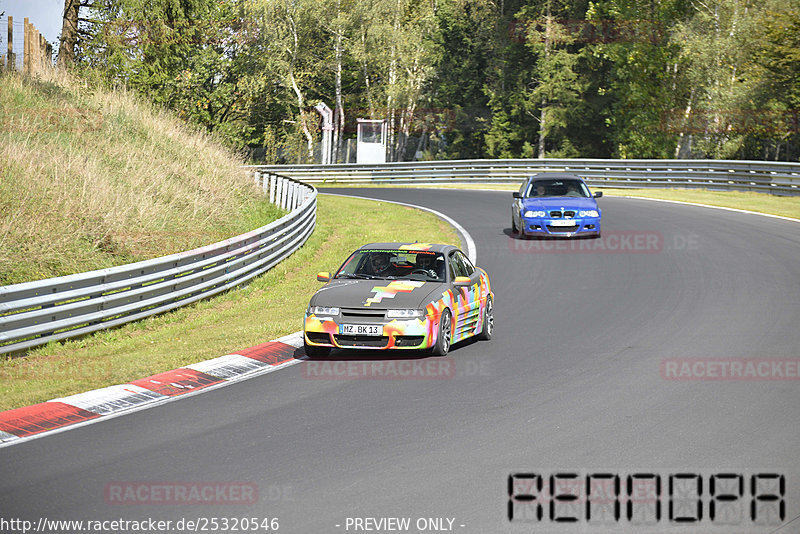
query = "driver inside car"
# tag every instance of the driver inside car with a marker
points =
(380, 264)
(428, 263)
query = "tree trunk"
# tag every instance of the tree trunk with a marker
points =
(338, 113)
(300, 99)
(69, 34)
(543, 115)
(303, 118)
(683, 147)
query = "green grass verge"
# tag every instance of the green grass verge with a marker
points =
(758, 202)
(270, 307)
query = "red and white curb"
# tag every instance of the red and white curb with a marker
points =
(84, 408)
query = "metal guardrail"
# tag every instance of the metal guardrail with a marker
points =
(35, 313)
(764, 176)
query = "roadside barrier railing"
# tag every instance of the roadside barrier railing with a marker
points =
(780, 178)
(34, 313)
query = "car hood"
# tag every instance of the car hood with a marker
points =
(557, 203)
(377, 294)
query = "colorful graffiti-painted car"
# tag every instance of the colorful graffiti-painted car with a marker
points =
(555, 204)
(400, 296)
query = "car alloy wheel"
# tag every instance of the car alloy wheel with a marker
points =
(445, 332)
(488, 321)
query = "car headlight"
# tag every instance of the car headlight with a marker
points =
(323, 310)
(588, 213)
(404, 314)
(533, 214)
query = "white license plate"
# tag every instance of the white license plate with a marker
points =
(361, 329)
(563, 222)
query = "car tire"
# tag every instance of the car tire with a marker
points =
(487, 331)
(445, 334)
(313, 351)
(514, 229)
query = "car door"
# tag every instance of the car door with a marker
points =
(474, 275)
(467, 297)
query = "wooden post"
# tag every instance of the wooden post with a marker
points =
(34, 49)
(11, 65)
(26, 43)
(39, 54)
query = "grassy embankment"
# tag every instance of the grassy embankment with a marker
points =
(92, 180)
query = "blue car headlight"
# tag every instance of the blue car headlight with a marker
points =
(588, 213)
(533, 214)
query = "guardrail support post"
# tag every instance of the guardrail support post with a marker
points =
(271, 178)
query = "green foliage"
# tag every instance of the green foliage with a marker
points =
(467, 78)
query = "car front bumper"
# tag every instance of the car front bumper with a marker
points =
(587, 226)
(412, 334)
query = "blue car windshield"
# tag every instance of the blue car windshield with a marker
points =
(557, 188)
(419, 265)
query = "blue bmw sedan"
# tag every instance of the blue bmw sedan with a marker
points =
(555, 204)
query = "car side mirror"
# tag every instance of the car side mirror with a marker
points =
(598, 194)
(516, 194)
(462, 281)
(323, 276)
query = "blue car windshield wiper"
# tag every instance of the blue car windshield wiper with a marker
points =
(360, 276)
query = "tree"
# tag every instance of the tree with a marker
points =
(716, 46)
(69, 33)
(555, 86)
(466, 55)
(776, 65)
(646, 87)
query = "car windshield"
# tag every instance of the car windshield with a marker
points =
(557, 188)
(394, 265)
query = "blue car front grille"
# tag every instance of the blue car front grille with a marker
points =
(558, 214)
